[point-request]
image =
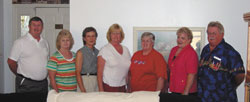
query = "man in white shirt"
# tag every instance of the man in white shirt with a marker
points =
(28, 59)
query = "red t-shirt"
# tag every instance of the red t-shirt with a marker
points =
(146, 69)
(186, 62)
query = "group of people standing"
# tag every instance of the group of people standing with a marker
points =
(214, 78)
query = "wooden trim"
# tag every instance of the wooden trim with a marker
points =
(248, 53)
(247, 81)
(246, 93)
(246, 17)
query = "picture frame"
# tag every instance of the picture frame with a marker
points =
(165, 38)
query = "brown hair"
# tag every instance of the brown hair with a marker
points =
(86, 30)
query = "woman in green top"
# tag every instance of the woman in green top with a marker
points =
(61, 65)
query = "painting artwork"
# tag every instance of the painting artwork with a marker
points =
(165, 38)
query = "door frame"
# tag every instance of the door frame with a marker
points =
(29, 10)
(52, 17)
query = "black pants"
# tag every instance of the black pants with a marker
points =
(166, 97)
(24, 85)
(190, 94)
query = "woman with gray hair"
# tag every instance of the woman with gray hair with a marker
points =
(148, 67)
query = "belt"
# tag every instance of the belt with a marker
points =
(89, 74)
(30, 78)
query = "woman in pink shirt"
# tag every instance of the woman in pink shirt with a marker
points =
(183, 64)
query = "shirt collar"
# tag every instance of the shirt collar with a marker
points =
(186, 47)
(90, 48)
(219, 46)
(32, 38)
(148, 53)
(221, 43)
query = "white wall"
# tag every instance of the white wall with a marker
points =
(7, 78)
(1, 46)
(160, 13)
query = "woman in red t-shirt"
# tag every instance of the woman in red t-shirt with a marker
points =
(148, 67)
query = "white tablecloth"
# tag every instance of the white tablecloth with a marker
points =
(140, 96)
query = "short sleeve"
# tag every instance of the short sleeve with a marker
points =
(192, 63)
(127, 51)
(16, 50)
(236, 63)
(160, 66)
(102, 53)
(52, 63)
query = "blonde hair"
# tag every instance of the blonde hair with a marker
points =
(64, 33)
(112, 28)
(187, 31)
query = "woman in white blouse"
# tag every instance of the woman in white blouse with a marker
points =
(113, 62)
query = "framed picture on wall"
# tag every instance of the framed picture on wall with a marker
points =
(165, 38)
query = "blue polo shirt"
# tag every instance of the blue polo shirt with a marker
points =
(216, 73)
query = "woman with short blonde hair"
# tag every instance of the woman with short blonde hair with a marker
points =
(61, 65)
(113, 62)
(112, 29)
(186, 31)
(64, 33)
(183, 64)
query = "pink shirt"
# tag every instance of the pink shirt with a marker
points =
(186, 62)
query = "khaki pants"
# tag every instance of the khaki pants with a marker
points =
(90, 83)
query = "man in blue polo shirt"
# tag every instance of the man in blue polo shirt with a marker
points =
(221, 68)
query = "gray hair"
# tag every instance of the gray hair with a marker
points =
(148, 34)
(216, 24)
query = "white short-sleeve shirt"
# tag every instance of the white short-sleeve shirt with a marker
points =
(31, 56)
(116, 65)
